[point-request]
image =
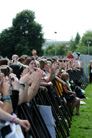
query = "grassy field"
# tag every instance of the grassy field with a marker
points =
(82, 124)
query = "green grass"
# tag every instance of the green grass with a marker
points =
(82, 125)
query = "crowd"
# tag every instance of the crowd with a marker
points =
(22, 77)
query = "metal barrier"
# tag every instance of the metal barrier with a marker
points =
(79, 77)
(61, 114)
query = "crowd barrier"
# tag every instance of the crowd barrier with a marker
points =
(61, 112)
(78, 77)
(61, 115)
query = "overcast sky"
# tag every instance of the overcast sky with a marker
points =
(66, 17)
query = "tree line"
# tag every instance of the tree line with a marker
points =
(26, 34)
(78, 44)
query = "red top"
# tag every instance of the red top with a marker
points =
(70, 56)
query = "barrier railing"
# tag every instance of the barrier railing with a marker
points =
(79, 77)
(62, 115)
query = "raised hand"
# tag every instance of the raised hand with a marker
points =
(35, 76)
(6, 87)
(15, 82)
(25, 78)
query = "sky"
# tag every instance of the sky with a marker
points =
(66, 17)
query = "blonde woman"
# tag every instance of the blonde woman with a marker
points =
(69, 94)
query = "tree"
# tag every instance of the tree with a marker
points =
(24, 35)
(82, 48)
(77, 39)
(85, 45)
(6, 42)
(72, 45)
(50, 50)
(74, 42)
(60, 48)
(87, 37)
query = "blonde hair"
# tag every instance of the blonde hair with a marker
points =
(37, 62)
(64, 75)
(49, 62)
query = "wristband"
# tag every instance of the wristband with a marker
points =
(54, 75)
(22, 84)
(6, 97)
(7, 101)
(12, 120)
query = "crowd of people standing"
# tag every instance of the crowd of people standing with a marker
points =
(21, 78)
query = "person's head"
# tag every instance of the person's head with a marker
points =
(6, 70)
(54, 60)
(64, 76)
(32, 64)
(37, 64)
(70, 52)
(43, 64)
(22, 58)
(91, 62)
(4, 61)
(17, 69)
(27, 61)
(48, 66)
(14, 58)
(34, 52)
